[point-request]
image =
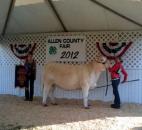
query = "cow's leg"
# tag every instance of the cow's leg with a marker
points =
(85, 91)
(46, 91)
(52, 95)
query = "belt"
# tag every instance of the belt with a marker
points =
(115, 79)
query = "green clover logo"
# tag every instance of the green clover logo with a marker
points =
(52, 50)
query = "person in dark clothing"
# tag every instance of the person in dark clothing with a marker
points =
(30, 66)
(115, 77)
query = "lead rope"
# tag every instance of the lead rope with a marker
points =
(107, 82)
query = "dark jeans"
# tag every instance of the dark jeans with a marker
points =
(29, 89)
(115, 84)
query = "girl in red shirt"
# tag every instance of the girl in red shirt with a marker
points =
(115, 77)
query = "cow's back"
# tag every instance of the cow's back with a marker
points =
(64, 75)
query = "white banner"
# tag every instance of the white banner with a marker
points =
(66, 48)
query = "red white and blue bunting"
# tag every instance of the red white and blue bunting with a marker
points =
(22, 50)
(112, 50)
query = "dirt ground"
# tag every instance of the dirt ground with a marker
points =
(17, 114)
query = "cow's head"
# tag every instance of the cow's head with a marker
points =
(101, 63)
(101, 59)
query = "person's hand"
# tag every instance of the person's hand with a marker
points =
(123, 81)
(109, 69)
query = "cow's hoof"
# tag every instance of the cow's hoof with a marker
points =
(54, 104)
(87, 107)
(45, 105)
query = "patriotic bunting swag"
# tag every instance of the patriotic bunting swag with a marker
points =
(22, 50)
(112, 50)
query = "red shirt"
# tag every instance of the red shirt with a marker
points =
(115, 71)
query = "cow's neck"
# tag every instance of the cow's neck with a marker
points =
(93, 79)
(95, 67)
(94, 71)
(95, 75)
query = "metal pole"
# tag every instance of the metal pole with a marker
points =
(121, 83)
(117, 13)
(57, 14)
(11, 6)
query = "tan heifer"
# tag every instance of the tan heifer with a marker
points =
(71, 77)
